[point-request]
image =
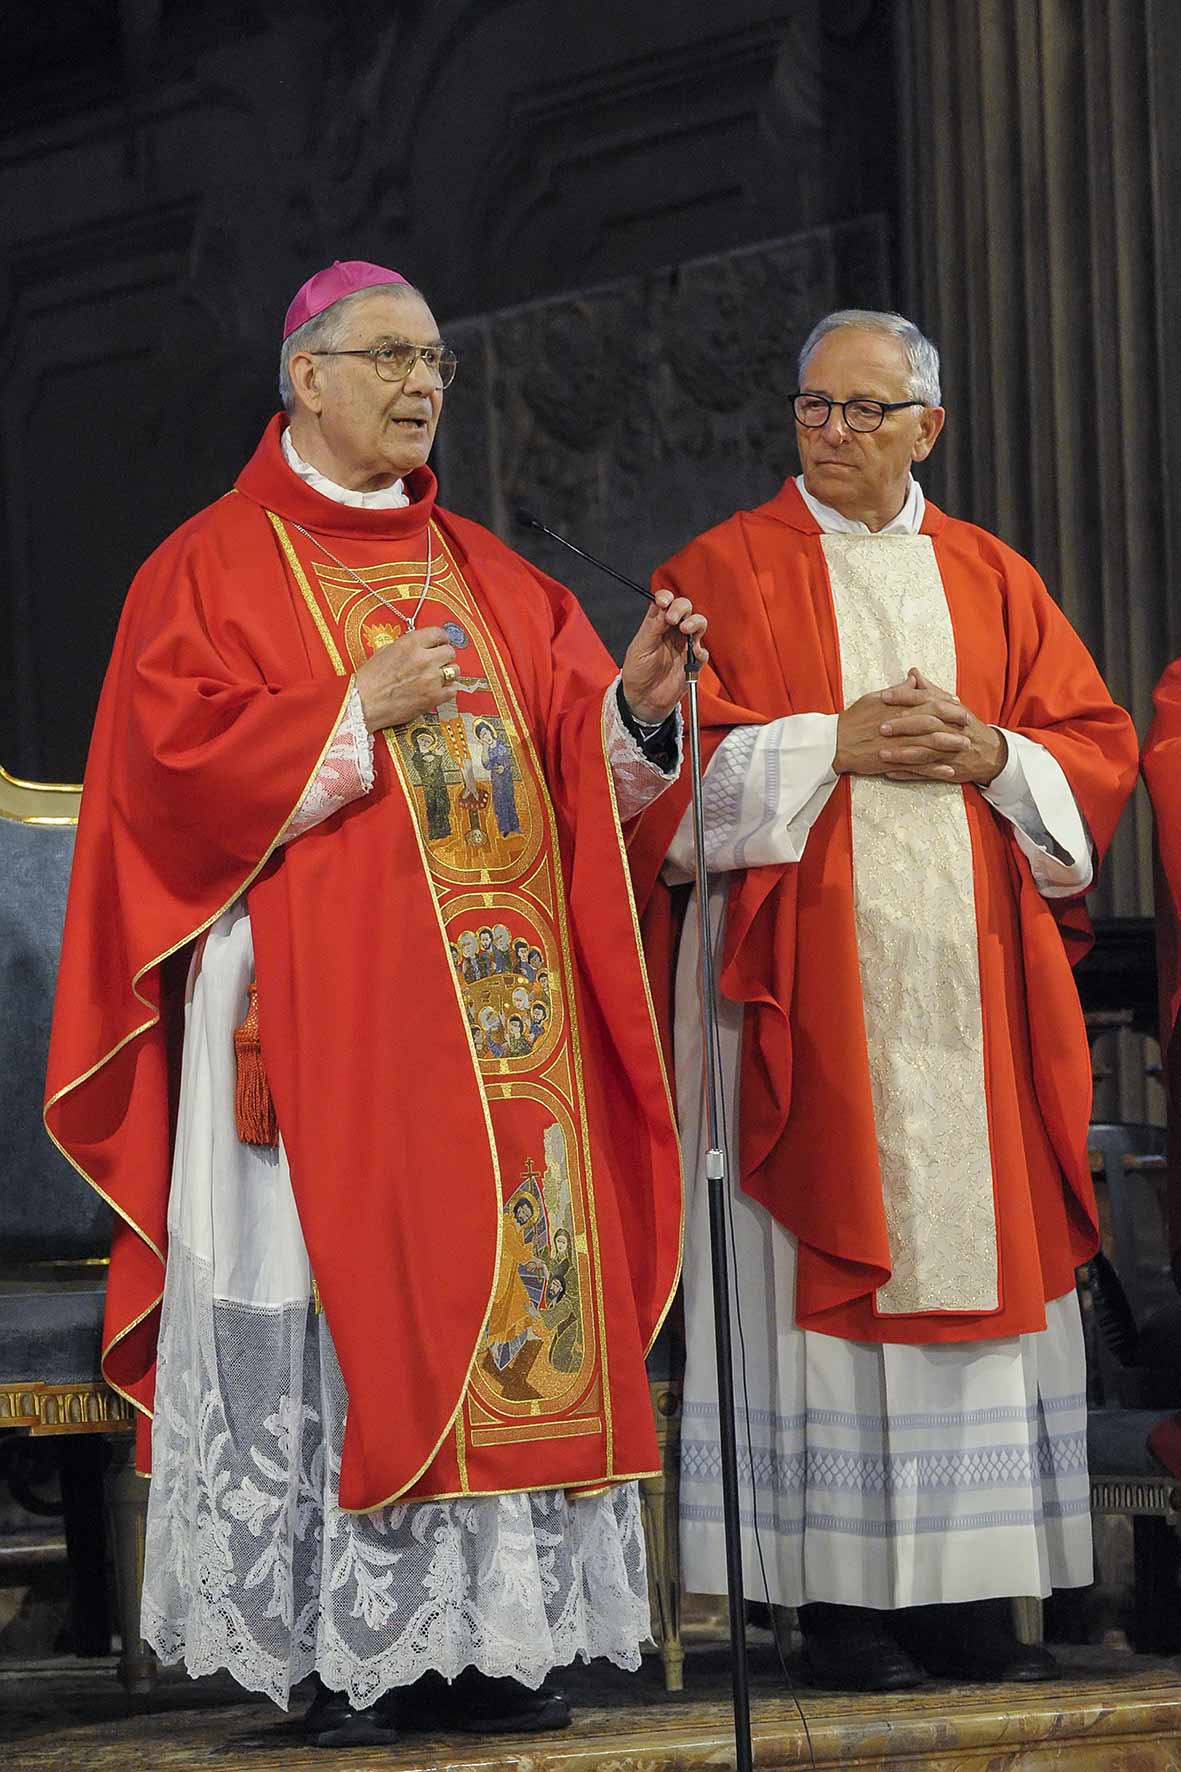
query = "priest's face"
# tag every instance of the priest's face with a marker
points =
(863, 474)
(366, 433)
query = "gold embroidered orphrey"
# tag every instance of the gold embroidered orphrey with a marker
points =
(488, 838)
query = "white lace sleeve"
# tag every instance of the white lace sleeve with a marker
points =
(1032, 792)
(638, 781)
(345, 774)
(763, 790)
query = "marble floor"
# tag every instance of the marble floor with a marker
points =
(1110, 1712)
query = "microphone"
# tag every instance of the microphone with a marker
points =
(526, 520)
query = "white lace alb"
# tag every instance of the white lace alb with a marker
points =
(250, 1564)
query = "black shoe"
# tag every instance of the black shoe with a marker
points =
(973, 1640)
(478, 1704)
(331, 1720)
(852, 1649)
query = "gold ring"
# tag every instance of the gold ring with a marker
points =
(449, 674)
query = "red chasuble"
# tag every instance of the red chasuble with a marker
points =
(808, 1147)
(453, 1009)
(1162, 772)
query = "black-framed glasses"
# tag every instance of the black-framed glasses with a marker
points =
(815, 410)
(394, 359)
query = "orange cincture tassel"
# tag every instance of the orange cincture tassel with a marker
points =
(254, 1111)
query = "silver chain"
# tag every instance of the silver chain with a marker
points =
(345, 567)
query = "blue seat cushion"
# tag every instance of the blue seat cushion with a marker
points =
(51, 1329)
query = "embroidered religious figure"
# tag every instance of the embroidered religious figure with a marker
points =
(502, 957)
(513, 1319)
(430, 771)
(560, 1318)
(498, 761)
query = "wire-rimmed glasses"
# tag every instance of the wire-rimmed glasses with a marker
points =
(394, 359)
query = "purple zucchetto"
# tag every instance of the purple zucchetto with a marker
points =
(344, 277)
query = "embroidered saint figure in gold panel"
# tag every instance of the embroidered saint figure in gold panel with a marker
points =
(535, 1343)
(476, 803)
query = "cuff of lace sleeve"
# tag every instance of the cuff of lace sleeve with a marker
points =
(354, 720)
(659, 746)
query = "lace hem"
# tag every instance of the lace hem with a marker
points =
(250, 1564)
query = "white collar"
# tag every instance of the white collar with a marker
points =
(387, 498)
(908, 521)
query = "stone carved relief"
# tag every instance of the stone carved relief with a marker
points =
(634, 416)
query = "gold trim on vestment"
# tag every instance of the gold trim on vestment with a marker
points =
(593, 1491)
(572, 1491)
(461, 1450)
(668, 1096)
(145, 1027)
(346, 578)
(330, 645)
(300, 577)
(575, 1427)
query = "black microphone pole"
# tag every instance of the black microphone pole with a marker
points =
(717, 1181)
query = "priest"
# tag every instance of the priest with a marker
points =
(914, 768)
(325, 690)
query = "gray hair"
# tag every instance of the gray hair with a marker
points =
(921, 356)
(325, 332)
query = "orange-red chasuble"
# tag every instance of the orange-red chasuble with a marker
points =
(1162, 772)
(453, 1011)
(808, 1148)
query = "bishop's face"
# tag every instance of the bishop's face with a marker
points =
(863, 474)
(374, 432)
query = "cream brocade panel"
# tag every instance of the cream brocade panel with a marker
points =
(917, 946)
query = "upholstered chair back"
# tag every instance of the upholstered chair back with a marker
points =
(47, 1212)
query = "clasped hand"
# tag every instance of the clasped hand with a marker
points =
(915, 731)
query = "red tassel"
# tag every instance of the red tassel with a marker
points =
(254, 1111)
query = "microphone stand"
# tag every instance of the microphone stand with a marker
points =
(717, 1181)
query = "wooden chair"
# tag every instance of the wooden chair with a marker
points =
(54, 1238)
(661, 1497)
(1136, 1371)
